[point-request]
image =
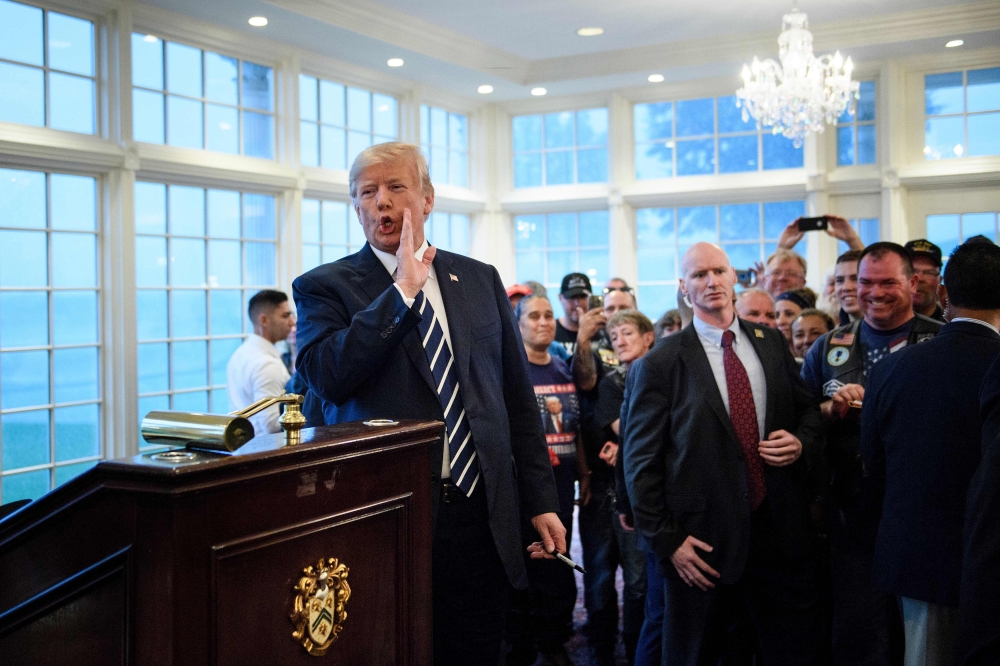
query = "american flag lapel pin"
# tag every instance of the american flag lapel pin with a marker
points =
(454, 278)
(760, 334)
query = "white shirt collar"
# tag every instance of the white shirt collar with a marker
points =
(265, 345)
(713, 334)
(391, 262)
(978, 321)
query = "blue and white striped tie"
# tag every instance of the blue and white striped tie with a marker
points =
(461, 448)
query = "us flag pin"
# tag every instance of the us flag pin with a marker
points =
(454, 278)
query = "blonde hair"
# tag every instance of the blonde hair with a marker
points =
(782, 255)
(392, 151)
(634, 317)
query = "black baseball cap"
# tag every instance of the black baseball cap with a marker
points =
(575, 285)
(924, 248)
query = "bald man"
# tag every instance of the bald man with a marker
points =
(717, 427)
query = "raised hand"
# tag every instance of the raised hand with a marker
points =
(411, 275)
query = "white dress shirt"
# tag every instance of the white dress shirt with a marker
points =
(256, 371)
(711, 339)
(432, 292)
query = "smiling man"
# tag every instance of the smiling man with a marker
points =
(717, 429)
(867, 627)
(388, 332)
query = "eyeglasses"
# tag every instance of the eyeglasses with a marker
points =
(789, 274)
(927, 272)
(627, 290)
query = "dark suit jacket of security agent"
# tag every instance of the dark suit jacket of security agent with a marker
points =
(361, 353)
(684, 467)
(921, 439)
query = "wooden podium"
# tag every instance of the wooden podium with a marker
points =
(202, 559)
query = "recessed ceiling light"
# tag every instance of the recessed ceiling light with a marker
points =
(538, 92)
(955, 42)
(150, 39)
(485, 90)
(394, 62)
(655, 78)
(258, 21)
(590, 32)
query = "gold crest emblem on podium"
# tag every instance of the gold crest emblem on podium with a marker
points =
(319, 613)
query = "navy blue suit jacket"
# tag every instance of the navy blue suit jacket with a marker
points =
(361, 354)
(921, 441)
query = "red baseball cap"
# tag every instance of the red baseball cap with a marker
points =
(518, 290)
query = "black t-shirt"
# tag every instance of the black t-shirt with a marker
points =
(609, 402)
(565, 337)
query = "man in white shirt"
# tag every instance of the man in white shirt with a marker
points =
(256, 370)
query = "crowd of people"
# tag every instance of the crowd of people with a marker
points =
(782, 477)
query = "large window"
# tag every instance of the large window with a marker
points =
(330, 230)
(747, 232)
(50, 378)
(46, 69)
(705, 136)
(856, 133)
(963, 114)
(200, 256)
(444, 139)
(448, 231)
(337, 122)
(187, 97)
(561, 148)
(550, 246)
(950, 231)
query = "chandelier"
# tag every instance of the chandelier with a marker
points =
(804, 92)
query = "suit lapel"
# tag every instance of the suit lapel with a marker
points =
(373, 279)
(701, 371)
(770, 368)
(456, 305)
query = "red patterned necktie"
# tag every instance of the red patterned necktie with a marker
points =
(743, 414)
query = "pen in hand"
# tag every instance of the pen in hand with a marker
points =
(569, 562)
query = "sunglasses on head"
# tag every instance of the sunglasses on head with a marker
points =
(627, 290)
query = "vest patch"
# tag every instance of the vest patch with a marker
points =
(838, 355)
(832, 387)
(846, 339)
(924, 337)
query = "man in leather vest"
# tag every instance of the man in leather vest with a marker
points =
(866, 626)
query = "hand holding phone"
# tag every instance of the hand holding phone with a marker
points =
(814, 223)
(595, 302)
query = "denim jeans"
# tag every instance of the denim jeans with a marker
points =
(650, 649)
(606, 546)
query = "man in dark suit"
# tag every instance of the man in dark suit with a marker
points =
(402, 330)
(921, 439)
(718, 428)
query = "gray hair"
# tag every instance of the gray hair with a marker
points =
(747, 293)
(522, 305)
(392, 151)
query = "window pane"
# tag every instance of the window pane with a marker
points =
(22, 199)
(147, 61)
(152, 324)
(187, 211)
(66, 473)
(439, 164)
(24, 319)
(224, 263)
(943, 93)
(592, 127)
(974, 224)
(335, 252)
(739, 222)
(335, 222)
(559, 167)
(191, 402)
(30, 485)
(309, 143)
(187, 262)
(594, 228)
(25, 379)
(561, 230)
(150, 261)
(559, 130)
(308, 98)
(778, 214)
(184, 118)
(595, 264)
(25, 439)
(147, 116)
(222, 127)
(528, 170)
(223, 214)
(561, 263)
(695, 117)
(460, 233)
(866, 104)
(458, 129)
(150, 208)
(385, 115)
(257, 87)
(439, 127)
(310, 257)
(942, 230)
(531, 266)
(731, 117)
(654, 121)
(527, 133)
(333, 148)
(696, 224)
(188, 313)
(20, 33)
(984, 134)
(868, 230)
(310, 221)
(529, 231)
(76, 373)
(258, 135)
(742, 256)
(222, 350)
(259, 219)
(74, 260)
(184, 70)
(221, 75)
(356, 233)
(74, 317)
(71, 103)
(227, 312)
(592, 165)
(22, 95)
(655, 300)
(190, 364)
(695, 157)
(458, 165)
(356, 142)
(71, 44)
(23, 259)
(944, 138)
(654, 160)
(845, 145)
(984, 89)
(866, 144)
(737, 153)
(331, 104)
(780, 153)
(359, 109)
(260, 264)
(74, 202)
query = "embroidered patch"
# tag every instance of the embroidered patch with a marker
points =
(924, 337)
(846, 339)
(832, 387)
(838, 356)
(608, 356)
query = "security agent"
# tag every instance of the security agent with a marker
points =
(926, 257)
(866, 624)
